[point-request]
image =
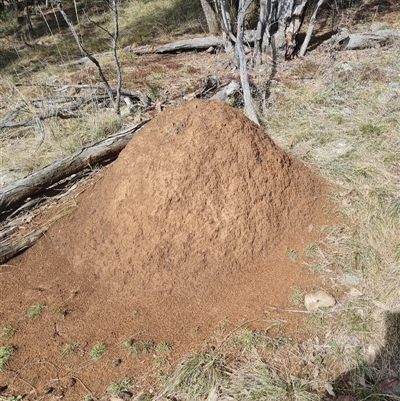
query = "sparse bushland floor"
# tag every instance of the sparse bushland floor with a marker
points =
(339, 113)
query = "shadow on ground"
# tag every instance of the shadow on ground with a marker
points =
(380, 379)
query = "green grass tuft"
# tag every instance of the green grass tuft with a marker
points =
(35, 310)
(97, 351)
(5, 353)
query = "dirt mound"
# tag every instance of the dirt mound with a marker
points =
(200, 191)
(190, 226)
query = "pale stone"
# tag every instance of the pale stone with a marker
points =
(355, 293)
(319, 299)
(349, 279)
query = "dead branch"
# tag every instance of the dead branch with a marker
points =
(83, 50)
(63, 112)
(41, 132)
(136, 94)
(15, 194)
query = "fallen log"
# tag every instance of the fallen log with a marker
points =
(106, 150)
(13, 248)
(180, 45)
(364, 40)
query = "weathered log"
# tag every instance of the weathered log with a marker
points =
(364, 40)
(13, 248)
(181, 45)
(108, 149)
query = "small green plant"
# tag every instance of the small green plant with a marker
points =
(14, 398)
(137, 346)
(311, 250)
(370, 130)
(279, 324)
(297, 296)
(35, 310)
(68, 350)
(153, 92)
(7, 332)
(97, 351)
(163, 347)
(5, 354)
(245, 339)
(292, 253)
(121, 385)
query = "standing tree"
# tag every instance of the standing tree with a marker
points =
(279, 22)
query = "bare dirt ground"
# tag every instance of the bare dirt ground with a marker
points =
(189, 229)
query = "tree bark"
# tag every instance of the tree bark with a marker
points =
(226, 25)
(15, 194)
(211, 18)
(310, 29)
(114, 9)
(248, 102)
(293, 28)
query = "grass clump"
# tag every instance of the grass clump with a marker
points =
(297, 296)
(68, 350)
(138, 346)
(35, 310)
(196, 376)
(121, 385)
(5, 353)
(261, 382)
(97, 351)
(7, 332)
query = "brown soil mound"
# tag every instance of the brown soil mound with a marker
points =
(190, 226)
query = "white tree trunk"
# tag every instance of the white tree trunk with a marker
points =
(310, 29)
(211, 18)
(293, 28)
(226, 24)
(248, 102)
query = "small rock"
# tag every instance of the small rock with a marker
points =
(349, 279)
(391, 385)
(319, 299)
(381, 305)
(117, 362)
(125, 395)
(355, 293)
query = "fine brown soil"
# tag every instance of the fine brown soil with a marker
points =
(191, 226)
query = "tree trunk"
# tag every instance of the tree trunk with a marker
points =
(260, 32)
(310, 29)
(293, 28)
(248, 102)
(211, 17)
(114, 9)
(226, 25)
